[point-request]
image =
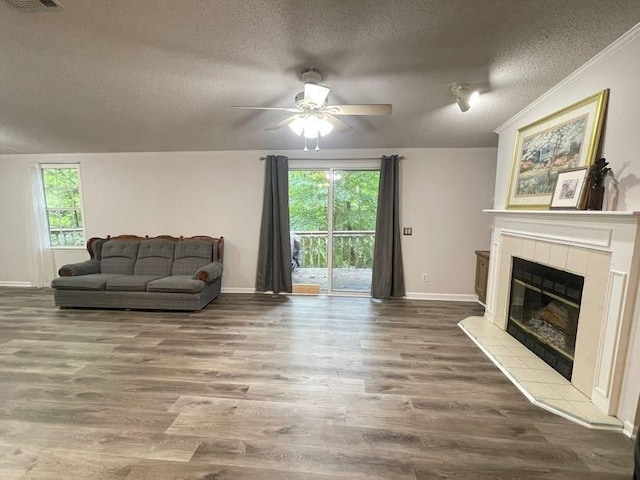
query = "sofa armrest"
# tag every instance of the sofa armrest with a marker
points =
(209, 272)
(82, 268)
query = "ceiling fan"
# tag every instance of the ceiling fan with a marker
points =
(313, 116)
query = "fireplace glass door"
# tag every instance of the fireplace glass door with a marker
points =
(543, 312)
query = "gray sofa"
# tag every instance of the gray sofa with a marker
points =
(165, 273)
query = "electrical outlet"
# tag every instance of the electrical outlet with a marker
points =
(425, 277)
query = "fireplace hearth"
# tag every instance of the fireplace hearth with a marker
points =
(544, 308)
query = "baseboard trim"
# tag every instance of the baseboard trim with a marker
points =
(17, 284)
(444, 297)
(627, 428)
(238, 290)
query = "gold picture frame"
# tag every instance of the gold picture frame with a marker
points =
(566, 139)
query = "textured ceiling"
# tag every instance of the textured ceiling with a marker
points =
(160, 75)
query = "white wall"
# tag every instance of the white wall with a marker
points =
(616, 68)
(194, 193)
(443, 194)
(15, 266)
(220, 193)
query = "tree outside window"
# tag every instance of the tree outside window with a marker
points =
(63, 201)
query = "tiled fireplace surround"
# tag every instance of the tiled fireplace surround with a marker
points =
(601, 247)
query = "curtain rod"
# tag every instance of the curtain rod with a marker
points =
(401, 157)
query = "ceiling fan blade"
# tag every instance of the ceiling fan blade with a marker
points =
(371, 109)
(316, 94)
(283, 123)
(339, 125)
(281, 109)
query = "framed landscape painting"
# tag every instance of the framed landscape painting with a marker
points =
(566, 139)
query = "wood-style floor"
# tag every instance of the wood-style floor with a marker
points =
(257, 387)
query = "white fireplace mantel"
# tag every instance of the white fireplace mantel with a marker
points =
(572, 213)
(601, 246)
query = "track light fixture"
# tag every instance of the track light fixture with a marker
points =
(465, 95)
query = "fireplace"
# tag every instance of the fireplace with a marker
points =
(544, 307)
(604, 249)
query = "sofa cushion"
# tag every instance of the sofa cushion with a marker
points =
(119, 256)
(155, 257)
(176, 284)
(190, 255)
(95, 247)
(131, 283)
(94, 281)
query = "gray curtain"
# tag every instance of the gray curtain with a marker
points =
(388, 272)
(274, 250)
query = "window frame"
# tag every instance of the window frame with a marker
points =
(65, 165)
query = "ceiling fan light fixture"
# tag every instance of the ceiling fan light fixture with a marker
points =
(313, 117)
(311, 125)
(465, 95)
(297, 126)
(324, 127)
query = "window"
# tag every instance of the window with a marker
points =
(63, 202)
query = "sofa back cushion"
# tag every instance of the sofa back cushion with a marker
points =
(119, 256)
(155, 257)
(94, 246)
(190, 255)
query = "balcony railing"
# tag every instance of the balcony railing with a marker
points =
(66, 237)
(350, 248)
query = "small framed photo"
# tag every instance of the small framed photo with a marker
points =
(570, 190)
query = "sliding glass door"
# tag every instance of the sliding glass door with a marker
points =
(332, 215)
(309, 224)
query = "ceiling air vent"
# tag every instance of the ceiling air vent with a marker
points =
(35, 5)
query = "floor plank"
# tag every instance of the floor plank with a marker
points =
(287, 388)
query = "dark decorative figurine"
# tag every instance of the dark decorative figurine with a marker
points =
(597, 173)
